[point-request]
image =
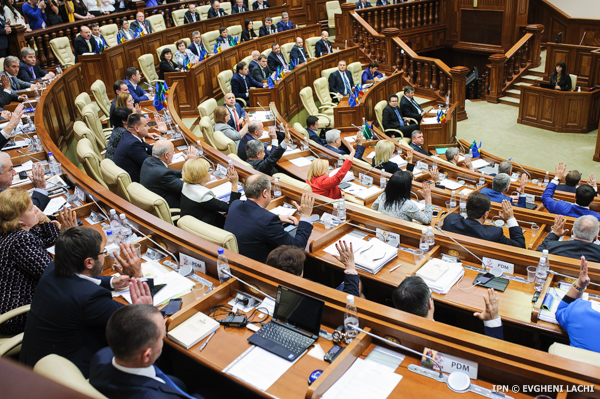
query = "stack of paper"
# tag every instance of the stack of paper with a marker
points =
(398, 160)
(282, 210)
(440, 275)
(364, 379)
(362, 192)
(290, 150)
(350, 239)
(301, 162)
(349, 176)
(193, 330)
(479, 163)
(176, 285)
(54, 205)
(451, 184)
(374, 255)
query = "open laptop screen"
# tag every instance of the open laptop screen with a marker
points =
(298, 310)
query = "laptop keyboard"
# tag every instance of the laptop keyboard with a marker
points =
(291, 340)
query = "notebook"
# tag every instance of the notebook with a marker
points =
(193, 330)
(447, 279)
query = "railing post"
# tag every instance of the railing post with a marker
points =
(497, 62)
(343, 23)
(535, 46)
(390, 46)
(459, 90)
(17, 39)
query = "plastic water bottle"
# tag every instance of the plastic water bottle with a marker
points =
(546, 179)
(276, 188)
(423, 242)
(382, 180)
(463, 205)
(53, 165)
(223, 266)
(400, 152)
(545, 256)
(305, 145)
(340, 161)
(540, 274)
(350, 319)
(335, 218)
(59, 70)
(51, 159)
(36, 145)
(453, 199)
(29, 127)
(434, 165)
(110, 238)
(341, 210)
(481, 180)
(448, 101)
(126, 231)
(199, 148)
(115, 224)
(430, 237)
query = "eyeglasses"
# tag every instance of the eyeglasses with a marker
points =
(104, 252)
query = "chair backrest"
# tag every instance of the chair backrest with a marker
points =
(203, 11)
(571, 352)
(226, 6)
(256, 26)
(356, 69)
(379, 112)
(178, 16)
(109, 32)
(224, 79)
(310, 43)
(326, 72)
(267, 52)
(209, 39)
(90, 117)
(299, 128)
(149, 201)
(187, 41)
(276, 20)
(294, 182)
(2, 64)
(235, 30)
(246, 60)
(573, 82)
(218, 236)
(224, 143)
(146, 62)
(61, 47)
(207, 108)
(90, 160)
(82, 131)
(285, 50)
(206, 127)
(65, 372)
(238, 159)
(99, 92)
(306, 96)
(81, 101)
(332, 7)
(160, 49)
(322, 90)
(157, 22)
(116, 179)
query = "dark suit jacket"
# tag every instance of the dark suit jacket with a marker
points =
(390, 121)
(408, 110)
(207, 211)
(321, 48)
(159, 179)
(239, 88)
(571, 249)
(494, 332)
(25, 73)
(314, 136)
(3, 36)
(81, 46)
(131, 154)
(360, 150)
(390, 167)
(192, 48)
(253, 64)
(380, 2)
(455, 223)
(234, 9)
(264, 31)
(296, 54)
(282, 26)
(213, 14)
(336, 84)
(259, 231)
(68, 317)
(565, 81)
(418, 149)
(257, 73)
(265, 4)
(135, 25)
(267, 164)
(221, 39)
(248, 35)
(242, 147)
(165, 66)
(116, 384)
(241, 113)
(564, 187)
(7, 98)
(189, 18)
(273, 61)
(359, 5)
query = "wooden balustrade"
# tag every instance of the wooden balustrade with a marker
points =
(403, 15)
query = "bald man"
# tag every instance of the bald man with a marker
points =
(83, 44)
(254, 63)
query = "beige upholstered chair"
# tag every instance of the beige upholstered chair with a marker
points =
(226, 6)
(84, 99)
(146, 62)
(356, 69)
(206, 127)
(276, 20)
(187, 41)
(573, 82)
(285, 50)
(82, 131)
(207, 108)
(224, 79)
(310, 43)
(573, 353)
(63, 371)
(178, 16)
(224, 143)
(209, 232)
(245, 60)
(151, 202)
(11, 346)
(109, 32)
(203, 11)
(160, 49)
(90, 117)
(2, 64)
(234, 156)
(99, 92)
(157, 22)
(326, 72)
(332, 7)
(61, 48)
(209, 39)
(379, 115)
(325, 118)
(116, 179)
(322, 91)
(256, 26)
(90, 160)
(294, 182)
(300, 129)
(235, 30)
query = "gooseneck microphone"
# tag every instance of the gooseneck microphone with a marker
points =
(245, 283)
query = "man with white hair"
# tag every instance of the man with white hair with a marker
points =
(334, 143)
(216, 10)
(29, 69)
(11, 70)
(254, 63)
(255, 132)
(452, 156)
(156, 176)
(501, 189)
(323, 46)
(585, 233)
(239, 7)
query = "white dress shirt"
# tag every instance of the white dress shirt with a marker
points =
(149, 371)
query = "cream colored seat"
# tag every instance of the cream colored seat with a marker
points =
(157, 22)
(226, 6)
(109, 32)
(203, 12)
(322, 91)
(2, 64)
(116, 179)
(209, 39)
(90, 117)
(276, 20)
(300, 129)
(235, 30)
(267, 52)
(82, 131)
(325, 118)
(224, 79)
(326, 72)
(247, 60)
(187, 41)
(332, 7)
(178, 16)
(285, 50)
(84, 99)
(310, 44)
(216, 140)
(573, 353)
(208, 232)
(146, 63)
(61, 48)
(160, 49)
(256, 26)
(207, 108)
(11, 346)
(151, 202)
(90, 160)
(356, 69)
(379, 115)
(291, 181)
(234, 156)
(207, 128)
(63, 371)
(99, 92)
(573, 82)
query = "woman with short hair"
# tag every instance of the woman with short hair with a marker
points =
(384, 150)
(319, 180)
(183, 53)
(371, 73)
(167, 64)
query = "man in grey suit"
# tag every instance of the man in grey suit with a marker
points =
(585, 232)
(140, 23)
(11, 70)
(262, 72)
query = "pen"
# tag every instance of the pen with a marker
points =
(206, 342)
(395, 267)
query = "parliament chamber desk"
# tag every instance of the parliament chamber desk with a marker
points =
(559, 111)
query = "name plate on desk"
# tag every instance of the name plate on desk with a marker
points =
(449, 363)
(196, 264)
(423, 166)
(508, 268)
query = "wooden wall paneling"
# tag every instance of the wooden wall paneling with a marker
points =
(230, 60)
(50, 122)
(297, 12)
(547, 107)
(529, 111)
(133, 50)
(203, 84)
(319, 11)
(292, 94)
(92, 68)
(574, 112)
(583, 63)
(187, 94)
(117, 66)
(172, 35)
(595, 112)
(282, 100)
(214, 67)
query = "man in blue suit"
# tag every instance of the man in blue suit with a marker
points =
(259, 231)
(241, 82)
(501, 187)
(132, 150)
(260, 4)
(72, 302)
(126, 369)
(255, 132)
(276, 59)
(362, 4)
(285, 23)
(312, 127)
(235, 110)
(132, 78)
(298, 52)
(584, 195)
(478, 209)
(414, 296)
(334, 143)
(340, 82)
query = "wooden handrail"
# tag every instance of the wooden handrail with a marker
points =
(518, 45)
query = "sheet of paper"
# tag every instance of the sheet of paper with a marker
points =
(364, 380)
(451, 184)
(350, 139)
(222, 189)
(24, 167)
(289, 151)
(300, 162)
(399, 161)
(261, 116)
(371, 155)
(432, 119)
(479, 163)
(356, 242)
(373, 190)
(282, 210)
(54, 205)
(179, 157)
(176, 285)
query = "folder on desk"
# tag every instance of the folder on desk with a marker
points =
(374, 255)
(193, 330)
(438, 280)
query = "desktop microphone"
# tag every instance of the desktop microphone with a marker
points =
(412, 192)
(584, 33)
(395, 70)
(523, 169)
(325, 203)
(312, 152)
(29, 156)
(199, 143)
(263, 108)
(99, 207)
(159, 247)
(245, 283)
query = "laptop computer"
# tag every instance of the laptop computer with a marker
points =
(294, 327)
(547, 86)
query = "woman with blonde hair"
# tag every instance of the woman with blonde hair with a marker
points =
(384, 150)
(222, 117)
(320, 181)
(199, 201)
(25, 232)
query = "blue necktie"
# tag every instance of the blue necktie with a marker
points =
(346, 82)
(399, 117)
(170, 383)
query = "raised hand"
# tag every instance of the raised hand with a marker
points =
(129, 262)
(559, 226)
(560, 171)
(140, 292)
(66, 219)
(306, 205)
(37, 176)
(507, 210)
(490, 312)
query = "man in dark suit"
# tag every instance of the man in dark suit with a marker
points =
(383, 3)
(414, 296)
(260, 4)
(241, 82)
(262, 71)
(72, 302)
(478, 209)
(191, 15)
(196, 45)
(216, 10)
(312, 127)
(572, 179)
(409, 107)
(236, 111)
(224, 38)
(416, 142)
(323, 46)
(255, 132)
(239, 7)
(140, 24)
(84, 43)
(340, 82)
(276, 59)
(392, 118)
(11, 70)
(119, 87)
(298, 52)
(29, 69)
(259, 231)
(285, 23)
(156, 176)
(254, 63)
(126, 369)
(334, 143)
(267, 28)
(5, 30)
(132, 79)
(362, 4)
(585, 233)
(255, 151)
(132, 150)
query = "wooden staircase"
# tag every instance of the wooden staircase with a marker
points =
(532, 77)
